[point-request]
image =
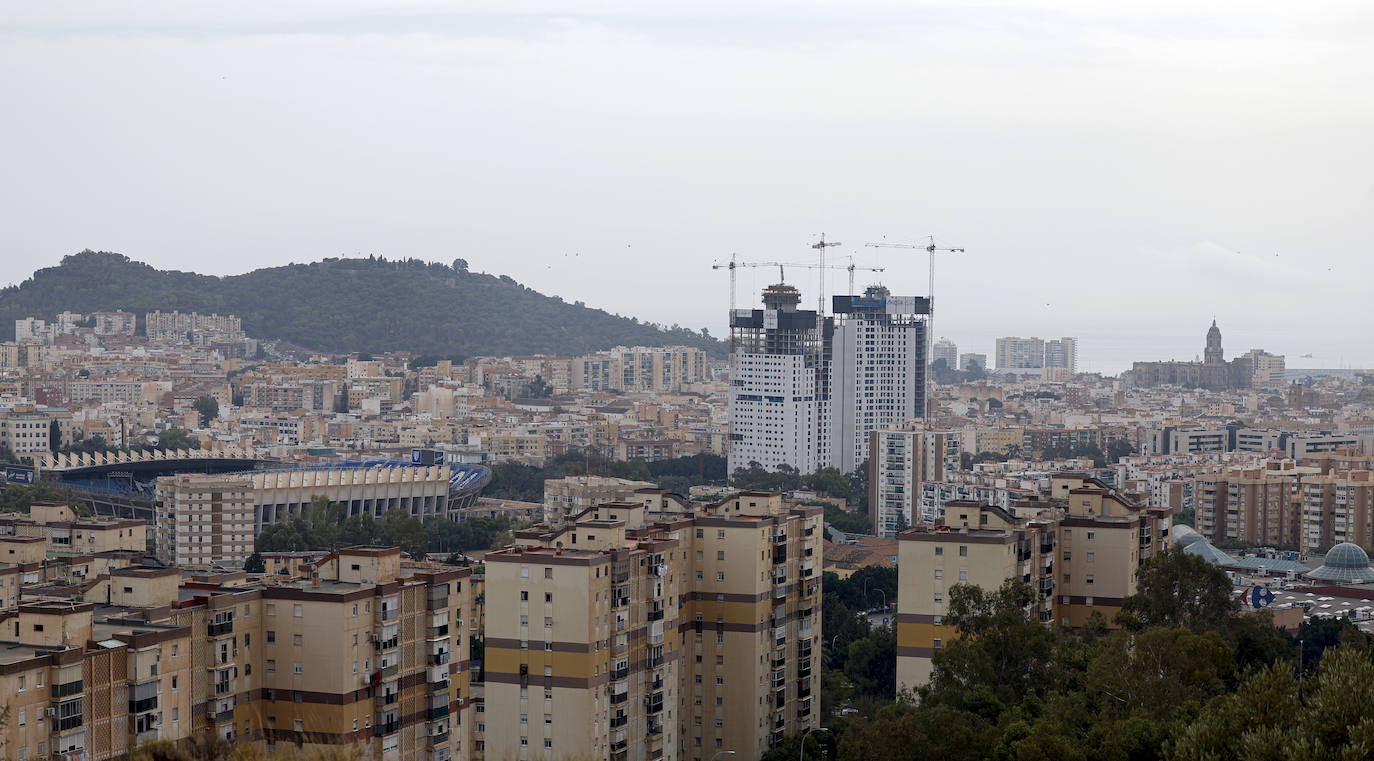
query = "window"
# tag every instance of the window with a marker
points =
(297, 610)
(271, 666)
(296, 667)
(1091, 535)
(548, 742)
(937, 643)
(720, 554)
(548, 572)
(524, 572)
(297, 639)
(963, 551)
(699, 533)
(720, 534)
(22, 720)
(21, 684)
(299, 725)
(939, 574)
(524, 595)
(548, 597)
(963, 574)
(1091, 558)
(720, 575)
(271, 636)
(271, 609)
(548, 671)
(1089, 578)
(939, 550)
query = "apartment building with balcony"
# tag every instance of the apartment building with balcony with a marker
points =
(1258, 503)
(655, 629)
(1337, 507)
(368, 651)
(1078, 549)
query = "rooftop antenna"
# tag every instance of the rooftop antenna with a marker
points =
(821, 246)
(931, 250)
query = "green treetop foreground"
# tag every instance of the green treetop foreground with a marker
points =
(1188, 676)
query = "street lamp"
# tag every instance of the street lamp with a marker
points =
(719, 752)
(880, 591)
(801, 754)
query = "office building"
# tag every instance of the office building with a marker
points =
(1016, 353)
(878, 378)
(780, 361)
(655, 629)
(1078, 550)
(947, 350)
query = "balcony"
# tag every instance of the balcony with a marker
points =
(438, 659)
(620, 673)
(386, 728)
(224, 717)
(387, 698)
(146, 736)
(387, 615)
(436, 603)
(67, 689)
(438, 738)
(437, 632)
(619, 697)
(656, 614)
(439, 686)
(804, 688)
(220, 629)
(619, 721)
(436, 713)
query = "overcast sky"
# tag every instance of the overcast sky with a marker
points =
(1122, 172)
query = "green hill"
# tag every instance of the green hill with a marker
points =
(344, 305)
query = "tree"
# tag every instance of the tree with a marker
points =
(174, 438)
(1118, 448)
(254, 563)
(54, 436)
(999, 647)
(1174, 588)
(869, 664)
(207, 407)
(1267, 717)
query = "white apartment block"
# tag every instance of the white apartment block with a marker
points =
(901, 462)
(878, 372)
(947, 350)
(1016, 353)
(779, 384)
(774, 412)
(1063, 353)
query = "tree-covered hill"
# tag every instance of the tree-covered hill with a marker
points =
(342, 305)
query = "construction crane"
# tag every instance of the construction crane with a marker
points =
(734, 264)
(931, 249)
(822, 246)
(851, 269)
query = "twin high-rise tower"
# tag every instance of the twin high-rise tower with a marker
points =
(805, 388)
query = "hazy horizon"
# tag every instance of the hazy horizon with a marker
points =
(1122, 173)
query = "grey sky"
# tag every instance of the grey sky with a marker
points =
(1121, 172)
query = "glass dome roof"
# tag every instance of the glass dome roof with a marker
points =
(1345, 562)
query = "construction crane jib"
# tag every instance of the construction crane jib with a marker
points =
(931, 250)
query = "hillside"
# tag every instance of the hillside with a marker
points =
(343, 305)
